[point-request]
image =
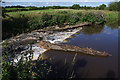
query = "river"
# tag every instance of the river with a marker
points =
(98, 37)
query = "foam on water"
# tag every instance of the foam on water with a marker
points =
(57, 37)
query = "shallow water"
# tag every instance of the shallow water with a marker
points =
(99, 37)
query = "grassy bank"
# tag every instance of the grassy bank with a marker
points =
(18, 22)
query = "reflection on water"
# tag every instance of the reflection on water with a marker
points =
(113, 26)
(99, 37)
(95, 29)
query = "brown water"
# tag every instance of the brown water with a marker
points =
(99, 37)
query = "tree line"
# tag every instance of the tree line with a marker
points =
(113, 6)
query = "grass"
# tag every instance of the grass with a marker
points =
(110, 15)
(15, 8)
(32, 11)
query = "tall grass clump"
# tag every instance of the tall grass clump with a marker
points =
(112, 17)
(94, 18)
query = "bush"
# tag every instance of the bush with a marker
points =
(45, 17)
(94, 18)
(61, 19)
(13, 26)
(33, 8)
(79, 14)
(74, 19)
(76, 6)
(52, 22)
(25, 68)
(114, 6)
(112, 17)
(62, 12)
(102, 7)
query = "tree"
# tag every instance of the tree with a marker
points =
(97, 8)
(102, 7)
(114, 6)
(76, 6)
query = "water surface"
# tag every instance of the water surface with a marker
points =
(99, 37)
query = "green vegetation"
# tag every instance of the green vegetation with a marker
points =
(14, 24)
(76, 6)
(32, 11)
(102, 7)
(40, 17)
(27, 19)
(19, 22)
(114, 6)
(30, 8)
(27, 69)
(112, 16)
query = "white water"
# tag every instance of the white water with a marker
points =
(57, 37)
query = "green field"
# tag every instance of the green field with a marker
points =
(15, 8)
(32, 11)
(109, 14)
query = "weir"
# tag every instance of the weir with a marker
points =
(65, 47)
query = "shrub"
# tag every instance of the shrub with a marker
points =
(45, 17)
(61, 19)
(79, 14)
(25, 68)
(114, 6)
(102, 7)
(52, 22)
(93, 18)
(62, 12)
(76, 6)
(13, 26)
(73, 19)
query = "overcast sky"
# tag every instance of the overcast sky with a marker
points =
(59, 0)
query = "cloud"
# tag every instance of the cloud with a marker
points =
(86, 0)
